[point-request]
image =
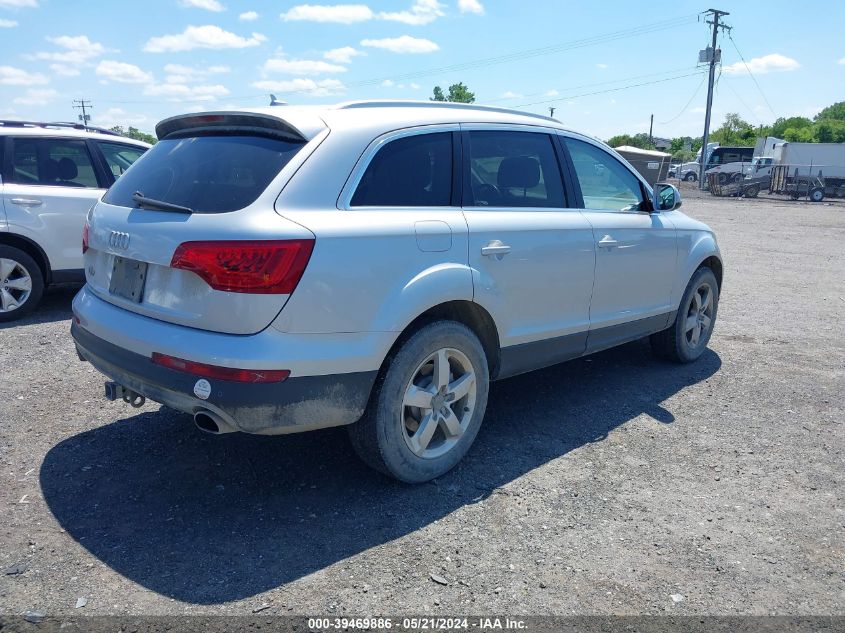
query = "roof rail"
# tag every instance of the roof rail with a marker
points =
(43, 124)
(349, 105)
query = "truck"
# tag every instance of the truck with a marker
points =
(729, 163)
(689, 171)
(814, 170)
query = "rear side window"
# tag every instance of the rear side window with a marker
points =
(119, 156)
(207, 174)
(414, 171)
(513, 169)
(52, 162)
(606, 184)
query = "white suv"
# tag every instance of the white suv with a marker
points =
(377, 264)
(51, 174)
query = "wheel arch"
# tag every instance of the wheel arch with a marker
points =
(470, 314)
(32, 249)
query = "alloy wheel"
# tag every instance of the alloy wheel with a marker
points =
(438, 403)
(15, 285)
(699, 317)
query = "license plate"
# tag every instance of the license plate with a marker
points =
(127, 279)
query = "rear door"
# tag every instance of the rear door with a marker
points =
(49, 186)
(530, 250)
(636, 251)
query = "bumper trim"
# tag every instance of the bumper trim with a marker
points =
(301, 403)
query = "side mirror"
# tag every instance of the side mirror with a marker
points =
(666, 197)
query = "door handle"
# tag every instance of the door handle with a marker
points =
(607, 242)
(495, 248)
(27, 202)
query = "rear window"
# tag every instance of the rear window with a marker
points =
(207, 174)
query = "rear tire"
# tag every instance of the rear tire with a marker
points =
(415, 430)
(21, 283)
(690, 177)
(817, 194)
(752, 191)
(686, 339)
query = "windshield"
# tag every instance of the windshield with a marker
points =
(207, 174)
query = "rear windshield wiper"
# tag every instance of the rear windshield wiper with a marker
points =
(159, 205)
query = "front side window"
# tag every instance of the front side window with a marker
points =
(119, 156)
(52, 162)
(606, 184)
(513, 169)
(414, 171)
(207, 174)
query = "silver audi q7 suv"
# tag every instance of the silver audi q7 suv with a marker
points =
(377, 264)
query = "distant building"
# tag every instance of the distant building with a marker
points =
(661, 144)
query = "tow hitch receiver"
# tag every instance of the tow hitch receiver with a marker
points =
(115, 391)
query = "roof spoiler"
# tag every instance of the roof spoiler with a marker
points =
(246, 122)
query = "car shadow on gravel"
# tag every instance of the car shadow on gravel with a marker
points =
(207, 519)
(55, 306)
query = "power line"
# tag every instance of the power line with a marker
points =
(684, 109)
(730, 37)
(598, 92)
(83, 104)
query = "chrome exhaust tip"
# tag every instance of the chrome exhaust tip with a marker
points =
(210, 422)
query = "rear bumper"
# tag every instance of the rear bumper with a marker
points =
(300, 403)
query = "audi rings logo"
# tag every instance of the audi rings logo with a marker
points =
(119, 240)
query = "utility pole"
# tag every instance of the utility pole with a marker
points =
(552, 112)
(84, 105)
(713, 57)
(650, 130)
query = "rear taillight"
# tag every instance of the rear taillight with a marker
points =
(220, 373)
(257, 267)
(85, 231)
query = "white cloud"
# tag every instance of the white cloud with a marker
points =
(403, 44)
(841, 62)
(321, 88)
(180, 74)
(421, 12)
(414, 86)
(11, 76)
(248, 16)
(774, 62)
(470, 6)
(121, 72)
(77, 49)
(118, 116)
(64, 70)
(208, 36)
(601, 66)
(698, 110)
(512, 95)
(37, 96)
(387, 83)
(181, 92)
(551, 93)
(18, 4)
(342, 55)
(302, 67)
(338, 13)
(208, 5)
(7, 24)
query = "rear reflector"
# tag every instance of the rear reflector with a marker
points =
(255, 267)
(221, 373)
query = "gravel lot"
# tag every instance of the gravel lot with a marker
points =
(605, 485)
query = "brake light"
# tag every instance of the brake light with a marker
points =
(257, 267)
(85, 230)
(220, 373)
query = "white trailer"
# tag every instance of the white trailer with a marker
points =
(814, 170)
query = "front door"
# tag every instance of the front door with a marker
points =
(531, 252)
(636, 251)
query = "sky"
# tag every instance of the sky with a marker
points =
(605, 67)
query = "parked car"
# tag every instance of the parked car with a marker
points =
(51, 174)
(377, 264)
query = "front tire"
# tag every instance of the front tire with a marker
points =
(427, 405)
(21, 283)
(686, 339)
(690, 177)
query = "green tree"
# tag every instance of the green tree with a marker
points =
(458, 93)
(781, 124)
(830, 131)
(637, 140)
(135, 133)
(832, 112)
(734, 131)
